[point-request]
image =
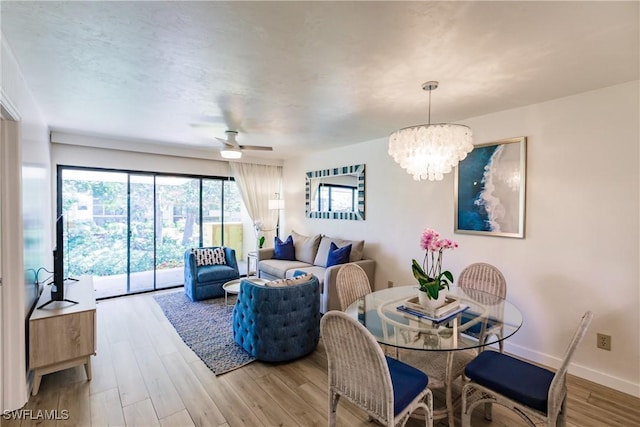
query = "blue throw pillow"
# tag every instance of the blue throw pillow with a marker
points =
(299, 273)
(284, 250)
(338, 255)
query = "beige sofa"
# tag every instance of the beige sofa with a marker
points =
(311, 253)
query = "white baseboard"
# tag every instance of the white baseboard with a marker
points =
(598, 377)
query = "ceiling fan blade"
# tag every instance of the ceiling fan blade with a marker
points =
(227, 143)
(208, 122)
(202, 125)
(232, 108)
(255, 147)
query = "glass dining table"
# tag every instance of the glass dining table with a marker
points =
(477, 319)
(485, 319)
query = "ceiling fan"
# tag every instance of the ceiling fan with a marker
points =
(233, 150)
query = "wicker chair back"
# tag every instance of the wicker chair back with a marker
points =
(351, 283)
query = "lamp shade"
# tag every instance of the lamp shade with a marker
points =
(276, 204)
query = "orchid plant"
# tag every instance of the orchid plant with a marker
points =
(260, 231)
(430, 276)
(260, 239)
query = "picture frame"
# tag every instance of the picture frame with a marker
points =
(490, 189)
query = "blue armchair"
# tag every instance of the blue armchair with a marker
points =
(205, 281)
(276, 324)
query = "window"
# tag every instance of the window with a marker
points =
(130, 230)
(337, 198)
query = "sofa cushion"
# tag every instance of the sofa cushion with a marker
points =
(209, 256)
(283, 250)
(289, 282)
(338, 255)
(306, 247)
(357, 248)
(278, 267)
(217, 273)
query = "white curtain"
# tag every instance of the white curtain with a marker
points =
(258, 184)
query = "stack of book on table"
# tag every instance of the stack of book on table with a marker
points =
(449, 309)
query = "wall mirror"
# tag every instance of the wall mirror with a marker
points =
(336, 193)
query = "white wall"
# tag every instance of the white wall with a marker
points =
(75, 155)
(28, 219)
(581, 250)
(34, 151)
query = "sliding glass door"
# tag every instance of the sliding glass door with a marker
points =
(130, 230)
(221, 216)
(94, 204)
(141, 233)
(177, 226)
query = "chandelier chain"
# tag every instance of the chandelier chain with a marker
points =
(429, 121)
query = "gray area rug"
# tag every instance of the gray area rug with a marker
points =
(205, 326)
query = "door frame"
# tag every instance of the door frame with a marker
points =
(13, 389)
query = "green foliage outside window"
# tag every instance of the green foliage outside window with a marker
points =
(96, 221)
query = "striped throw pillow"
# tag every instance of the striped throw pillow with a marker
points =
(209, 256)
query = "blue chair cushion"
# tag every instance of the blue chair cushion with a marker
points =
(520, 381)
(218, 272)
(407, 382)
(476, 328)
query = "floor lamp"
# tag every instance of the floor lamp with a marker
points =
(277, 204)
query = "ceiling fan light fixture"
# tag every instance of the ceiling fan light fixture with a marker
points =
(231, 153)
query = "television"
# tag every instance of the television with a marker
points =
(57, 285)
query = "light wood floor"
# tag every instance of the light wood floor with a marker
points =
(144, 375)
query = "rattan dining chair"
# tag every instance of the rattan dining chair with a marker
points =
(534, 393)
(483, 277)
(443, 369)
(486, 278)
(388, 390)
(351, 283)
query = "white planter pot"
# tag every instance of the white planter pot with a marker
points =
(431, 304)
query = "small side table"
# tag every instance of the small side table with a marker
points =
(233, 287)
(252, 258)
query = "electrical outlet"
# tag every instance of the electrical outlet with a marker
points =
(604, 342)
(390, 284)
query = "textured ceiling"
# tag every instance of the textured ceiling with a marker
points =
(304, 76)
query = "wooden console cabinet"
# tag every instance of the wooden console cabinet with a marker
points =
(62, 334)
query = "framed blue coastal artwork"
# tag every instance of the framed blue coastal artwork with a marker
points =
(490, 189)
